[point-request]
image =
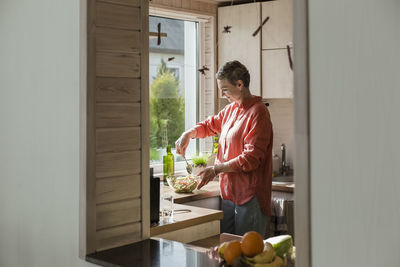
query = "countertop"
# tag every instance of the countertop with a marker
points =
(154, 253)
(283, 186)
(158, 252)
(186, 216)
(212, 190)
(209, 190)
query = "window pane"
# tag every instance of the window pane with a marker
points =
(173, 85)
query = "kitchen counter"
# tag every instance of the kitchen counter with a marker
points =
(199, 217)
(154, 253)
(212, 190)
(283, 186)
(184, 217)
(194, 227)
(197, 214)
(209, 190)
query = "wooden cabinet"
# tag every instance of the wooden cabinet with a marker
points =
(239, 44)
(277, 77)
(265, 55)
(277, 32)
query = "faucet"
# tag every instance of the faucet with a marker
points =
(284, 166)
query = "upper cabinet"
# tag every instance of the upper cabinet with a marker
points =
(277, 77)
(277, 32)
(236, 25)
(265, 55)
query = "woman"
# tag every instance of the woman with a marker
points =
(244, 158)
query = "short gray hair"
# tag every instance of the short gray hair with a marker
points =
(234, 71)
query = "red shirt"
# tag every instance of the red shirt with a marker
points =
(245, 143)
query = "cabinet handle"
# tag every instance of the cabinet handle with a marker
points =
(259, 27)
(289, 57)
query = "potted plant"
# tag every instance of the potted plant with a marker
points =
(199, 163)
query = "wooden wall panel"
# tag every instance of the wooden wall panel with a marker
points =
(117, 139)
(117, 121)
(117, 115)
(117, 188)
(135, 3)
(187, 4)
(118, 40)
(116, 16)
(117, 90)
(117, 213)
(117, 164)
(174, 2)
(117, 236)
(117, 65)
(195, 6)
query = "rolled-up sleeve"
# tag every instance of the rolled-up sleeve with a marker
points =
(255, 145)
(211, 126)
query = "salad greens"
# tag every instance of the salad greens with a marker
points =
(200, 160)
(183, 184)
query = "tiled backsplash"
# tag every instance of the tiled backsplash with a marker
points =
(281, 111)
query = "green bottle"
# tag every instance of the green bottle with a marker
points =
(168, 164)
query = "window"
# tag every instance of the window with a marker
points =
(173, 87)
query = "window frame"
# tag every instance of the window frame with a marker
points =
(201, 79)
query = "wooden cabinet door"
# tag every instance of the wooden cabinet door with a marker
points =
(117, 202)
(277, 77)
(277, 32)
(239, 44)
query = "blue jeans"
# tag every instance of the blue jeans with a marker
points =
(239, 219)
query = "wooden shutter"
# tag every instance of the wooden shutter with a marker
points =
(117, 123)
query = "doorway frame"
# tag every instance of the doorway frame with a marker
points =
(302, 134)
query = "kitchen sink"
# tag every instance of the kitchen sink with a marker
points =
(285, 179)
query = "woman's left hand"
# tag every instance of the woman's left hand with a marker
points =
(206, 175)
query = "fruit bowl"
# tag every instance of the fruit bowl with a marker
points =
(183, 184)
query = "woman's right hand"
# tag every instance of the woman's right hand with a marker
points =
(182, 143)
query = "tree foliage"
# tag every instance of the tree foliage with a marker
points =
(167, 109)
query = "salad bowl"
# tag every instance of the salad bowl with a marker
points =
(183, 184)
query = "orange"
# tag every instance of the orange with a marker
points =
(232, 251)
(252, 244)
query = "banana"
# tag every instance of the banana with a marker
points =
(264, 257)
(221, 250)
(278, 262)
